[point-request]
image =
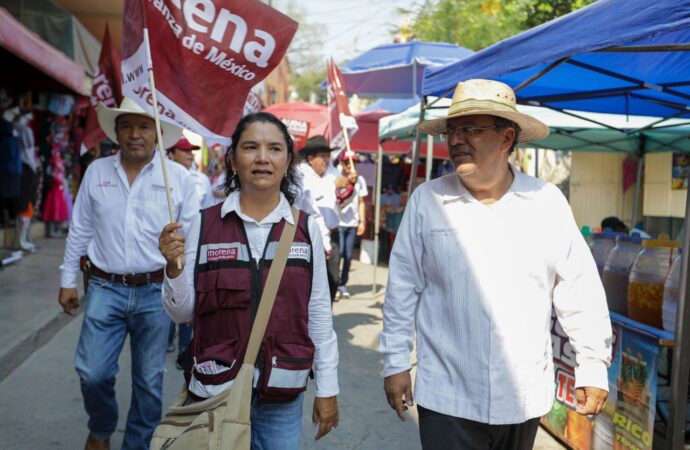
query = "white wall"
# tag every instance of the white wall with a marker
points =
(659, 199)
(596, 188)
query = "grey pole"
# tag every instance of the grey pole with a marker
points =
(638, 184)
(642, 141)
(675, 433)
(377, 214)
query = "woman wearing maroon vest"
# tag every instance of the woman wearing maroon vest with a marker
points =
(232, 245)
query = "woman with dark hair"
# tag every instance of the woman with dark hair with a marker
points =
(232, 245)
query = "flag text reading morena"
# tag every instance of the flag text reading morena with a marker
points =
(203, 17)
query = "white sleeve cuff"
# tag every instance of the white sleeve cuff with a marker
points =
(592, 373)
(396, 353)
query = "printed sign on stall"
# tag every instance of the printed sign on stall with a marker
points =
(628, 418)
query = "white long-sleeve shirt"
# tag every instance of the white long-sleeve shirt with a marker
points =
(317, 197)
(178, 293)
(478, 283)
(203, 188)
(118, 225)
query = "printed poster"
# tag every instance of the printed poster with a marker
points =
(628, 418)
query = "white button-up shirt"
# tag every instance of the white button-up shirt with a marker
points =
(118, 225)
(479, 282)
(203, 188)
(178, 293)
(317, 197)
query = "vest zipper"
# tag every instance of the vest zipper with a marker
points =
(275, 359)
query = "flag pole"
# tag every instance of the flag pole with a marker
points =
(346, 136)
(159, 133)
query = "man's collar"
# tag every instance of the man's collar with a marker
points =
(117, 161)
(520, 186)
(282, 211)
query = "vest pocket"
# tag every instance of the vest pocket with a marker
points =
(216, 291)
(216, 360)
(287, 363)
(233, 291)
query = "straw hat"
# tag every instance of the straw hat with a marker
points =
(493, 98)
(107, 117)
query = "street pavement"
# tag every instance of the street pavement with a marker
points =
(41, 404)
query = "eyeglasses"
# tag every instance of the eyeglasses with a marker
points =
(469, 131)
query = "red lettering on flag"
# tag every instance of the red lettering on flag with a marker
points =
(107, 88)
(337, 107)
(206, 56)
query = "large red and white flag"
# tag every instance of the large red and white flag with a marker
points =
(206, 56)
(339, 116)
(107, 88)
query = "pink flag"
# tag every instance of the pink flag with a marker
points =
(206, 56)
(339, 116)
(107, 88)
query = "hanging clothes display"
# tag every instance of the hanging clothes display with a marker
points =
(55, 208)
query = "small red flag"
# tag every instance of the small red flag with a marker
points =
(339, 115)
(107, 88)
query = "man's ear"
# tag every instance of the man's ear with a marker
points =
(509, 137)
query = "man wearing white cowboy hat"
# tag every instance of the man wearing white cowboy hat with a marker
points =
(119, 211)
(481, 258)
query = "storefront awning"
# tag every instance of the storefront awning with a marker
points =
(26, 46)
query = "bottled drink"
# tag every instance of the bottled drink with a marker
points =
(647, 278)
(617, 272)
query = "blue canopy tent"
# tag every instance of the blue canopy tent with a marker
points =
(613, 56)
(395, 70)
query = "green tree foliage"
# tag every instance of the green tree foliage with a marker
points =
(476, 24)
(306, 55)
(306, 83)
(540, 11)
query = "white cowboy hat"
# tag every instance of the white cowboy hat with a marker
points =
(107, 117)
(493, 98)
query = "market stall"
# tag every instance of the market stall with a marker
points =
(614, 56)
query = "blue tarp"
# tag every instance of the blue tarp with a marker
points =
(395, 70)
(652, 83)
(394, 105)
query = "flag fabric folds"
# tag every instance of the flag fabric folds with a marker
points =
(339, 115)
(206, 56)
(107, 88)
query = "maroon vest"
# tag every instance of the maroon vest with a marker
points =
(229, 282)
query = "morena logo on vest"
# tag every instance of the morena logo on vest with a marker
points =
(221, 254)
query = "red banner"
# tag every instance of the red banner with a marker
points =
(107, 88)
(206, 56)
(299, 130)
(339, 116)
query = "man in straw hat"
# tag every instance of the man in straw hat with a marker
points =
(481, 257)
(120, 208)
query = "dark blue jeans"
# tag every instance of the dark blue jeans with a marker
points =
(347, 245)
(112, 312)
(183, 338)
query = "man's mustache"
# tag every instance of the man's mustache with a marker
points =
(459, 148)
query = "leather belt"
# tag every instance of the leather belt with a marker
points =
(127, 279)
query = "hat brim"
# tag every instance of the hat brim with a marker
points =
(315, 149)
(107, 117)
(531, 129)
